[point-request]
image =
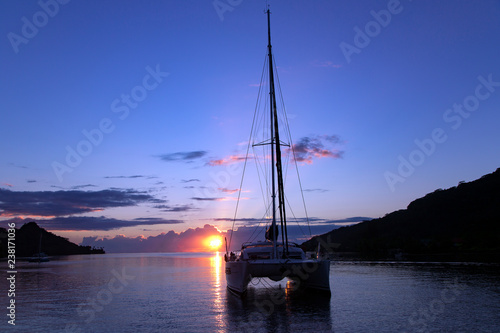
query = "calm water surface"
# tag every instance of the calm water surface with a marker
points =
(187, 293)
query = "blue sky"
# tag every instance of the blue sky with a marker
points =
(192, 71)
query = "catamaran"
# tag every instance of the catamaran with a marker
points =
(272, 258)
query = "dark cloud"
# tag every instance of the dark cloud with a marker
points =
(354, 219)
(128, 177)
(254, 221)
(176, 208)
(77, 187)
(88, 223)
(316, 146)
(302, 220)
(190, 180)
(185, 156)
(190, 240)
(206, 199)
(63, 203)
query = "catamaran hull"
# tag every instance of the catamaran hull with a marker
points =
(237, 276)
(313, 274)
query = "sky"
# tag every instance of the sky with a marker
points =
(124, 119)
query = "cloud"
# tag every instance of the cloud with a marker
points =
(325, 63)
(313, 221)
(176, 208)
(120, 177)
(348, 220)
(217, 199)
(227, 160)
(77, 187)
(206, 199)
(63, 203)
(186, 156)
(189, 180)
(226, 190)
(253, 221)
(190, 240)
(6, 184)
(321, 190)
(90, 223)
(18, 166)
(316, 146)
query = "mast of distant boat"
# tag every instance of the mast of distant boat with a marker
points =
(275, 148)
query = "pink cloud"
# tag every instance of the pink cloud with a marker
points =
(227, 160)
(309, 148)
(226, 190)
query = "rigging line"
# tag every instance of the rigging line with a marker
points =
(257, 163)
(284, 118)
(295, 217)
(294, 157)
(246, 160)
(262, 219)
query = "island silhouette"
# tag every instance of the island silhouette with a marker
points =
(461, 223)
(27, 242)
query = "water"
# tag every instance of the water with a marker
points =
(187, 293)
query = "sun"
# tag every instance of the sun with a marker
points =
(215, 242)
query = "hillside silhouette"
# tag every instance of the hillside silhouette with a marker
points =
(461, 223)
(27, 243)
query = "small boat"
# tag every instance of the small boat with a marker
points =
(271, 258)
(39, 257)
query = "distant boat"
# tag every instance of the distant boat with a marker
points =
(40, 256)
(271, 258)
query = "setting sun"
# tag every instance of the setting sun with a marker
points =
(215, 242)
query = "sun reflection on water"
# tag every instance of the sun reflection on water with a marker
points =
(216, 266)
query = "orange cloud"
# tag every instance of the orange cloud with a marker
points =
(227, 160)
(226, 190)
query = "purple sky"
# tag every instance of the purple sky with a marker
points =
(128, 117)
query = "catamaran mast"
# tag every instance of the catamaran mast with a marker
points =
(275, 147)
